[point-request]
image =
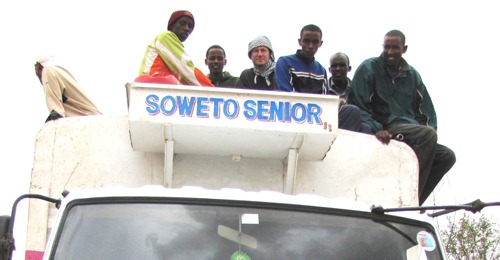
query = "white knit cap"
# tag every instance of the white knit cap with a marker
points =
(45, 60)
(260, 41)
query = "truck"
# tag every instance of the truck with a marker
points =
(217, 173)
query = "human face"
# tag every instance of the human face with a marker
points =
(310, 43)
(260, 55)
(393, 51)
(183, 27)
(339, 67)
(215, 60)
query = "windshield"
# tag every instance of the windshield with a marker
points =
(200, 229)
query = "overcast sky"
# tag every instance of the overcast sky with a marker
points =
(453, 44)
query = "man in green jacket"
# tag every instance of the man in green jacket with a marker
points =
(395, 103)
(216, 60)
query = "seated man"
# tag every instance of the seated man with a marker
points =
(395, 103)
(301, 72)
(349, 115)
(261, 75)
(216, 60)
(165, 55)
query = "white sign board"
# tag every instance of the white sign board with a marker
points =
(230, 121)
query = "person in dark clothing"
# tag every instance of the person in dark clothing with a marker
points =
(395, 103)
(300, 72)
(349, 115)
(339, 82)
(216, 60)
(261, 75)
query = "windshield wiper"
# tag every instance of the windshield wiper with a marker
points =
(474, 206)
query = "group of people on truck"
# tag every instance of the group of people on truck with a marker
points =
(386, 97)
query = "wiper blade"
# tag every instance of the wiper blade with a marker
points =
(397, 230)
(474, 206)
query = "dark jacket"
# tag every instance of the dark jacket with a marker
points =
(249, 80)
(335, 90)
(227, 81)
(297, 73)
(385, 99)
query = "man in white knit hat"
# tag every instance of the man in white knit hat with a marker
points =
(63, 95)
(261, 76)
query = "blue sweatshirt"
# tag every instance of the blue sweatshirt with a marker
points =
(297, 73)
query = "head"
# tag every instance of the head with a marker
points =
(310, 40)
(181, 23)
(260, 51)
(339, 66)
(394, 47)
(41, 62)
(215, 59)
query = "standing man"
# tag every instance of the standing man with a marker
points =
(63, 94)
(300, 72)
(261, 76)
(216, 60)
(165, 56)
(395, 103)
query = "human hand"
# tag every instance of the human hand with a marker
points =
(342, 101)
(383, 136)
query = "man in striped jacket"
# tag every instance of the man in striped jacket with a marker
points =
(165, 56)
